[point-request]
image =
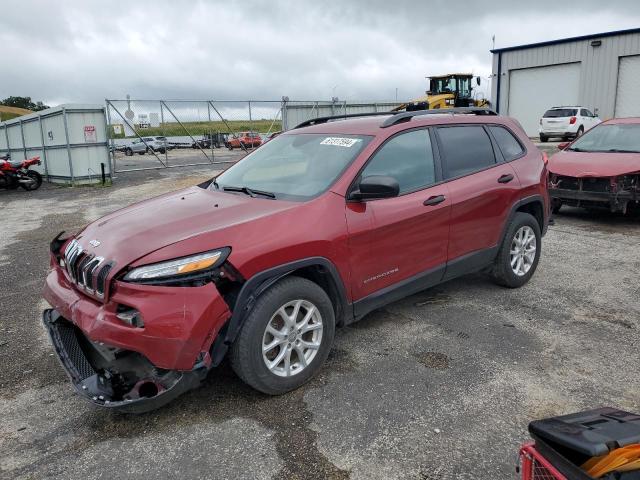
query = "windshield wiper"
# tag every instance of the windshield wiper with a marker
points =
(249, 191)
(619, 150)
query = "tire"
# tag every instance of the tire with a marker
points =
(580, 132)
(36, 177)
(544, 138)
(128, 152)
(556, 205)
(503, 273)
(247, 358)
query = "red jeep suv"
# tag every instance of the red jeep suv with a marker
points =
(320, 226)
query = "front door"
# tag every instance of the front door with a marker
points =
(395, 240)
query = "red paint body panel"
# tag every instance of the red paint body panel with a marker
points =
(179, 322)
(594, 164)
(397, 238)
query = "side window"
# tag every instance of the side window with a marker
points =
(509, 146)
(589, 113)
(406, 157)
(584, 113)
(466, 149)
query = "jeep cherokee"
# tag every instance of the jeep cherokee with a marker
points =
(320, 226)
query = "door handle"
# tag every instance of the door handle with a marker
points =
(434, 200)
(506, 178)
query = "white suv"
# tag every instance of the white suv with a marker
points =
(566, 122)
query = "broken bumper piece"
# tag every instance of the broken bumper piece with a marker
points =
(113, 378)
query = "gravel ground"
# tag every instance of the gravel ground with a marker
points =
(439, 385)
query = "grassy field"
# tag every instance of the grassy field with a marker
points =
(7, 113)
(199, 128)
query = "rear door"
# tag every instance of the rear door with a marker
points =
(482, 188)
(395, 239)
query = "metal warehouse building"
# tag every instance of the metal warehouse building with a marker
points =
(600, 72)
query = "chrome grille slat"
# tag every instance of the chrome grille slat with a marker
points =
(83, 269)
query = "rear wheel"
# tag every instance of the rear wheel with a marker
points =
(286, 337)
(544, 138)
(35, 181)
(519, 253)
(128, 152)
(580, 131)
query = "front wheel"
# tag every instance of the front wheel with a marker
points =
(128, 152)
(286, 337)
(519, 253)
(35, 180)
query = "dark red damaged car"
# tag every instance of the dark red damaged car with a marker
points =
(600, 170)
(311, 231)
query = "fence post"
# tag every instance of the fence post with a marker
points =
(44, 148)
(250, 119)
(110, 141)
(6, 135)
(66, 134)
(166, 144)
(24, 146)
(110, 151)
(284, 114)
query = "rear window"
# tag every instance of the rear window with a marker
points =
(560, 112)
(509, 146)
(466, 150)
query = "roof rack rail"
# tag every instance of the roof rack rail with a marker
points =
(319, 120)
(406, 116)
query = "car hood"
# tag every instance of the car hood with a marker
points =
(594, 164)
(142, 228)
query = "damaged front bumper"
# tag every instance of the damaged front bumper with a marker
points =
(112, 378)
(615, 201)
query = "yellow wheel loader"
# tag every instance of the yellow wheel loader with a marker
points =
(447, 91)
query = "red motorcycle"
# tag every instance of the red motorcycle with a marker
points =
(17, 174)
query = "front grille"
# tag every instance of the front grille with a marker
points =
(89, 272)
(596, 185)
(568, 183)
(584, 184)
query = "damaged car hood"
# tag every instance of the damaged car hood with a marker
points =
(140, 229)
(594, 164)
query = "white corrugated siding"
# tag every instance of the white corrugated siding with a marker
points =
(598, 74)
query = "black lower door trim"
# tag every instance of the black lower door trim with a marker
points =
(398, 291)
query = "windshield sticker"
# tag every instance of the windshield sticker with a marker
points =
(340, 142)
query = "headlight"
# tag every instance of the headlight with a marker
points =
(179, 267)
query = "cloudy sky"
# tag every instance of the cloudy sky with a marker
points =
(85, 51)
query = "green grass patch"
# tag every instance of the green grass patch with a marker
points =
(197, 129)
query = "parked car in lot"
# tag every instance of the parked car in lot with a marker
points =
(321, 225)
(244, 140)
(600, 169)
(150, 144)
(566, 122)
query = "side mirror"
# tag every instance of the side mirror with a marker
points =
(563, 145)
(376, 186)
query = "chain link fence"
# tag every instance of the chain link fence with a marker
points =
(152, 134)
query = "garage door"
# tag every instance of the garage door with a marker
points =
(628, 94)
(534, 90)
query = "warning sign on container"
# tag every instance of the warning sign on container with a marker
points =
(90, 134)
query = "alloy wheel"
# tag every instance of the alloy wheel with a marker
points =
(292, 338)
(523, 250)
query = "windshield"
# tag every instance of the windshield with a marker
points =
(294, 166)
(560, 113)
(610, 138)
